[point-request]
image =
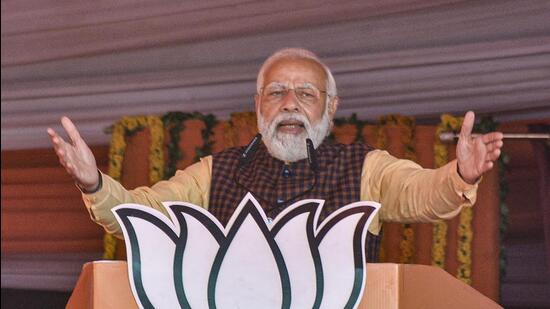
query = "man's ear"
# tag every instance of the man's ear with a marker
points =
(333, 106)
(257, 103)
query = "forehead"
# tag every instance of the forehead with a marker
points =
(295, 70)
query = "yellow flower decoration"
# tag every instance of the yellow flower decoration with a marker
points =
(439, 243)
(116, 156)
(238, 122)
(465, 234)
(464, 250)
(407, 126)
(381, 138)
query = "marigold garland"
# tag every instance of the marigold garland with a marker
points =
(124, 127)
(464, 247)
(407, 126)
(439, 242)
(464, 250)
(381, 137)
(238, 122)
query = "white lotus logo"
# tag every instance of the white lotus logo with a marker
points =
(192, 261)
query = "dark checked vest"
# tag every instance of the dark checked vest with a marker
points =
(276, 185)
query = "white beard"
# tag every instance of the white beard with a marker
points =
(292, 147)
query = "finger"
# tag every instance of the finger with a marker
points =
(467, 125)
(57, 141)
(493, 155)
(51, 132)
(494, 145)
(53, 136)
(61, 153)
(71, 130)
(64, 153)
(492, 137)
(487, 166)
(58, 144)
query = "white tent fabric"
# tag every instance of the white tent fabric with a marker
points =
(96, 61)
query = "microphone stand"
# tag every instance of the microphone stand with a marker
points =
(450, 137)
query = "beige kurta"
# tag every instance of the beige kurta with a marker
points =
(406, 191)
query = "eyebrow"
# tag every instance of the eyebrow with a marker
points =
(300, 84)
(309, 85)
(275, 84)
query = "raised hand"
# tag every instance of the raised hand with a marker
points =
(75, 156)
(476, 154)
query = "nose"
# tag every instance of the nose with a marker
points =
(290, 102)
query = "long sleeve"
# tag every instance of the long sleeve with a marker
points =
(190, 185)
(410, 193)
(407, 192)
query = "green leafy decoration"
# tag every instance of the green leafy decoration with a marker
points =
(353, 120)
(173, 122)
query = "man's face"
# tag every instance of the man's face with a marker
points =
(292, 106)
(292, 73)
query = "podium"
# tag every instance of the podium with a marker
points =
(104, 284)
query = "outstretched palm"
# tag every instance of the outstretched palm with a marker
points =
(476, 153)
(75, 156)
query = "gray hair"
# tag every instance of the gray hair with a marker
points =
(299, 53)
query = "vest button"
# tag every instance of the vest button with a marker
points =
(286, 172)
(280, 200)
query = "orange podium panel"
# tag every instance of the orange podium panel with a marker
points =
(105, 284)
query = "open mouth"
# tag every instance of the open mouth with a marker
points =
(291, 127)
(291, 124)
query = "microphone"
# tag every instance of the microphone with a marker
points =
(449, 137)
(250, 150)
(311, 155)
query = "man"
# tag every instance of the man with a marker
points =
(296, 101)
